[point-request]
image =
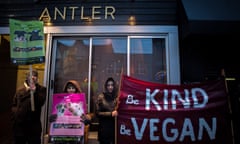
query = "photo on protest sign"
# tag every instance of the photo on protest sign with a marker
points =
(68, 108)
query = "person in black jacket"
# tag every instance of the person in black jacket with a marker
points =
(27, 127)
(106, 112)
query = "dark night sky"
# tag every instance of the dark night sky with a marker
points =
(219, 10)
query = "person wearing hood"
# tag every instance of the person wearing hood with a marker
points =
(27, 127)
(72, 86)
(106, 112)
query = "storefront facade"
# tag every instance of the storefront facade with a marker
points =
(91, 40)
(163, 41)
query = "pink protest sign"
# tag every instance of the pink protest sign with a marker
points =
(69, 108)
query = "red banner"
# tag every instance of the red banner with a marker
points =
(160, 113)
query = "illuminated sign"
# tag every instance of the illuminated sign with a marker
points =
(76, 12)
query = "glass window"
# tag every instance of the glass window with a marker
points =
(91, 60)
(109, 58)
(148, 59)
(71, 62)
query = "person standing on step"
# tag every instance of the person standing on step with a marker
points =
(106, 113)
(72, 86)
(27, 127)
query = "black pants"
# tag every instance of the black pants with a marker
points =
(27, 140)
(106, 142)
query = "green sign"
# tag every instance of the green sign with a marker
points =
(26, 42)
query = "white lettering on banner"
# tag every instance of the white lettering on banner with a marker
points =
(153, 129)
(187, 129)
(150, 98)
(175, 96)
(211, 132)
(139, 133)
(165, 99)
(130, 100)
(195, 99)
(124, 131)
(173, 131)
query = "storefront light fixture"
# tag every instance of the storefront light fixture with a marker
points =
(132, 20)
(88, 21)
(47, 21)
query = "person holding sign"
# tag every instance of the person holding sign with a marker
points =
(73, 87)
(106, 113)
(27, 126)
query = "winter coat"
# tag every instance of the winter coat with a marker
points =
(105, 105)
(26, 121)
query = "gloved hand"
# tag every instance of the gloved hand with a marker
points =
(52, 118)
(86, 119)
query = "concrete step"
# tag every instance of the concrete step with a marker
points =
(92, 137)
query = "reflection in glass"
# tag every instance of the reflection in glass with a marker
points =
(108, 59)
(148, 59)
(72, 57)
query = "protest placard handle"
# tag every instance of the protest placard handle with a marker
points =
(31, 91)
(229, 102)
